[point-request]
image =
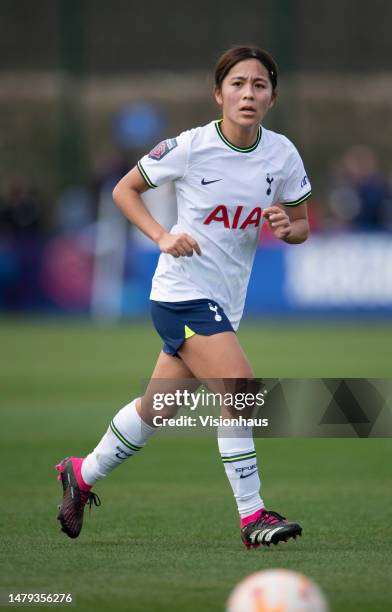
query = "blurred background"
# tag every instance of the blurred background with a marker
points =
(87, 87)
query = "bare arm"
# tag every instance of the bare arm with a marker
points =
(126, 195)
(288, 223)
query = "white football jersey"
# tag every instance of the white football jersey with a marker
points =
(221, 191)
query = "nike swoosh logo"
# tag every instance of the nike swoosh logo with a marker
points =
(247, 475)
(204, 182)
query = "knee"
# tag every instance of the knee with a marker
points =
(242, 384)
(154, 404)
(245, 396)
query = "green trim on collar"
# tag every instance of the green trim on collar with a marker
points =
(229, 144)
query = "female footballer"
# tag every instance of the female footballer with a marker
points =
(229, 176)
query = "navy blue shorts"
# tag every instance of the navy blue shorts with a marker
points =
(177, 321)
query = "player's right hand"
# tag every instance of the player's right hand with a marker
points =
(178, 245)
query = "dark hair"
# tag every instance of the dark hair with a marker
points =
(232, 56)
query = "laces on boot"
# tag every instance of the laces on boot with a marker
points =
(270, 517)
(90, 498)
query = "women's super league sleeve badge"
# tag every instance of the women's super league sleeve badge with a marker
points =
(163, 148)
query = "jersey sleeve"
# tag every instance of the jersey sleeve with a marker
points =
(296, 188)
(167, 161)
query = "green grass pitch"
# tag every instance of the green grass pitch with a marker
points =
(166, 537)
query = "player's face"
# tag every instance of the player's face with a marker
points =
(246, 94)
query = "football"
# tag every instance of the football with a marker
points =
(277, 590)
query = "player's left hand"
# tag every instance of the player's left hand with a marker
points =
(278, 221)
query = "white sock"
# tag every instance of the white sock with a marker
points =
(126, 435)
(240, 463)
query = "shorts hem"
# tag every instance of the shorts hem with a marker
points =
(175, 322)
(169, 350)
